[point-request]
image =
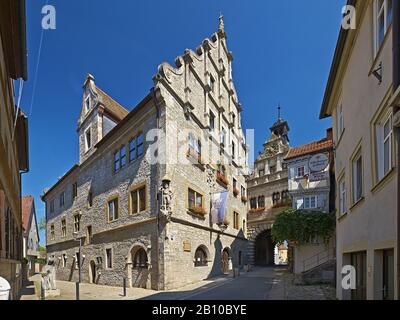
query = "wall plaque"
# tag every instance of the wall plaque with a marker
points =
(187, 246)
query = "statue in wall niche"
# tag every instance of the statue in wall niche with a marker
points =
(166, 198)
(48, 274)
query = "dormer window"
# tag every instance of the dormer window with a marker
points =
(88, 139)
(87, 103)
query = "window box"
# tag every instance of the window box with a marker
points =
(198, 210)
(257, 210)
(235, 192)
(282, 204)
(244, 199)
(222, 179)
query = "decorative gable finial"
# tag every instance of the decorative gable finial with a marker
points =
(279, 110)
(221, 26)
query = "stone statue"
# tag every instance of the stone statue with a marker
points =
(166, 198)
(49, 275)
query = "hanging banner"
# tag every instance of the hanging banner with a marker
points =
(218, 207)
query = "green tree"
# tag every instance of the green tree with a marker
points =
(303, 226)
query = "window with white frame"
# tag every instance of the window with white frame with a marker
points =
(88, 139)
(357, 177)
(384, 146)
(383, 19)
(342, 196)
(339, 121)
(310, 202)
(300, 172)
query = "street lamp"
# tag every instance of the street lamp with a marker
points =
(79, 263)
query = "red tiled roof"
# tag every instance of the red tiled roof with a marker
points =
(27, 204)
(312, 147)
(111, 105)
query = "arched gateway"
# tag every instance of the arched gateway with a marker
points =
(261, 247)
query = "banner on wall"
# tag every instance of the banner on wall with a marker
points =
(218, 207)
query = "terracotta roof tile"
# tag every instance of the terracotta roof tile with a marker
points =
(312, 147)
(27, 204)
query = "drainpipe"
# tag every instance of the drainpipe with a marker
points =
(396, 85)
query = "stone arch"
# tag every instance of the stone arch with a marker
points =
(138, 276)
(206, 251)
(253, 233)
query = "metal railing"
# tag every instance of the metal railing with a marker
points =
(318, 259)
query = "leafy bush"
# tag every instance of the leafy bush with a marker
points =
(303, 226)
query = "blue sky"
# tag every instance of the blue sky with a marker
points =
(282, 53)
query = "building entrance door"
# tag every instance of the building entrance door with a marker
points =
(225, 260)
(92, 272)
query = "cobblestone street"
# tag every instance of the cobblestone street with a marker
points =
(273, 283)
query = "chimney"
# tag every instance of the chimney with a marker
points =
(329, 134)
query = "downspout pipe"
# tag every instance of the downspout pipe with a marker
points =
(396, 85)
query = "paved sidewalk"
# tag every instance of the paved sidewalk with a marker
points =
(285, 289)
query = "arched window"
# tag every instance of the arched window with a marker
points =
(200, 257)
(140, 259)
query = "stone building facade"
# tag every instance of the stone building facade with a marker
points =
(268, 194)
(139, 198)
(13, 141)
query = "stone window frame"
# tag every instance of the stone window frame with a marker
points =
(116, 216)
(87, 147)
(196, 192)
(52, 232)
(77, 223)
(89, 237)
(106, 258)
(63, 227)
(136, 188)
(88, 103)
(236, 220)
